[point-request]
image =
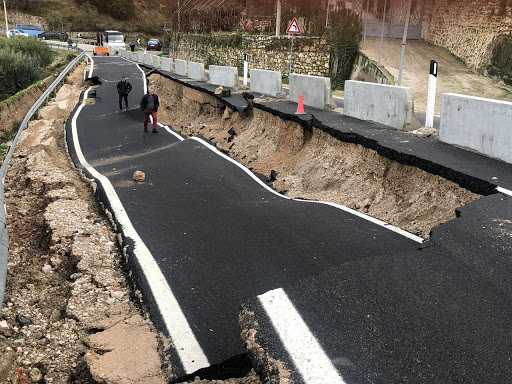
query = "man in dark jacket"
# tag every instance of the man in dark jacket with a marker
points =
(149, 104)
(132, 46)
(123, 89)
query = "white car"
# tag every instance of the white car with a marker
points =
(17, 32)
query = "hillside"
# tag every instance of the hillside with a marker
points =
(70, 16)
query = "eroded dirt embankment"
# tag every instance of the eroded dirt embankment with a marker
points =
(67, 316)
(314, 165)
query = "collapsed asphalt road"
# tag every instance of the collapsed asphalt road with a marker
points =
(216, 236)
(204, 236)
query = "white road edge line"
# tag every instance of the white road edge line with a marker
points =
(306, 353)
(92, 66)
(504, 191)
(186, 345)
(171, 131)
(145, 86)
(342, 207)
(143, 77)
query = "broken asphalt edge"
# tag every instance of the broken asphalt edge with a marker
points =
(309, 121)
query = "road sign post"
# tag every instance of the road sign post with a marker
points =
(293, 29)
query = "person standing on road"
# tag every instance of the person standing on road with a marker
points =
(123, 89)
(132, 46)
(149, 104)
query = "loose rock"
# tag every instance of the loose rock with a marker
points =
(139, 176)
(35, 375)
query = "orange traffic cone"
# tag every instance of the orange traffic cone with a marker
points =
(300, 107)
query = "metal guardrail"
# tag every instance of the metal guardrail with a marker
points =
(4, 238)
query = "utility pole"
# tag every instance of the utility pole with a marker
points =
(327, 15)
(179, 18)
(278, 18)
(366, 22)
(382, 30)
(404, 41)
(6, 24)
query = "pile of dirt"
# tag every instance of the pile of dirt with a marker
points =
(67, 315)
(311, 164)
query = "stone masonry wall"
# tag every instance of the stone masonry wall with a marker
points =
(311, 56)
(468, 28)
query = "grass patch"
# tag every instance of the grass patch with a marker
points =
(458, 58)
(20, 93)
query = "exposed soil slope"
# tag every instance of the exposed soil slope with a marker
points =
(313, 164)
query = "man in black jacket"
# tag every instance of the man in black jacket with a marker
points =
(149, 105)
(123, 88)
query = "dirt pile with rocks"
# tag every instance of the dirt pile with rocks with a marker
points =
(311, 164)
(68, 316)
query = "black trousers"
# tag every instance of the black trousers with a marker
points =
(121, 97)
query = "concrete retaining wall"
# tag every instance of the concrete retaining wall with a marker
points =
(267, 82)
(368, 70)
(388, 105)
(148, 59)
(315, 90)
(156, 61)
(166, 64)
(181, 67)
(484, 125)
(140, 57)
(225, 76)
(196, 71)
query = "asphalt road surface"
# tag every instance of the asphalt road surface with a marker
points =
(203, 233)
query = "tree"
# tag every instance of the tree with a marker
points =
(118, 9)
(343, 38)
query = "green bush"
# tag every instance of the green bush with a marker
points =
(29, 46)
(18, 70)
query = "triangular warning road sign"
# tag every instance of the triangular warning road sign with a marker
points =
(294, 27)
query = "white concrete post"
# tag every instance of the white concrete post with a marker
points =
(431, 97)
(246, 68)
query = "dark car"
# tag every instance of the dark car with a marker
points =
(51, 35)
(154, 44)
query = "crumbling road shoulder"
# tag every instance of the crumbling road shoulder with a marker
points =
(67, 314)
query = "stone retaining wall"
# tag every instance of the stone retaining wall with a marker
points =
(468, 28)
(311, 56)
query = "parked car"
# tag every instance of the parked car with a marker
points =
(51, 35)
(17, 32)
(154, 44)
